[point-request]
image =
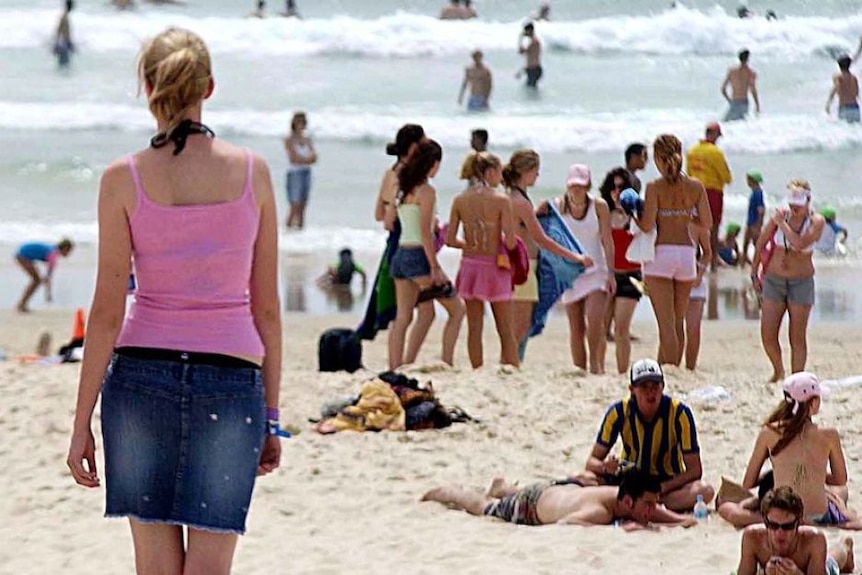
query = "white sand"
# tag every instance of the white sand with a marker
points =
(348, 503)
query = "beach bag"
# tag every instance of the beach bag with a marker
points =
(642, 248)
(339, 349)
(519, 263)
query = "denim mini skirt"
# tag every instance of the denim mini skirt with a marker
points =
(182, 442)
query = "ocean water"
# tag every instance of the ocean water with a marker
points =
(615, 72)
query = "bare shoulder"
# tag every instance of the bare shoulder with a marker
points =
(830, 434)
(811, 536)
(117, 184)
(754, 534)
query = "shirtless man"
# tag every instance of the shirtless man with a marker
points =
(478, 77)
(63, 46)
(635, 503)
(453, 11)
(544, 13)
(846, 86)
(290, 10)
(531, 47)
(741, 80)
(780, 546)
(260, 11)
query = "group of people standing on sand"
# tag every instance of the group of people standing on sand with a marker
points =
(657, 480)
(679, 213)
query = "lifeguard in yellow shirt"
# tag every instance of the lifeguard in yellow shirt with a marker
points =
(706, 162)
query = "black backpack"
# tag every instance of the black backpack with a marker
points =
(339, 349)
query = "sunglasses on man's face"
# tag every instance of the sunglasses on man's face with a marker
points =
(775, 526)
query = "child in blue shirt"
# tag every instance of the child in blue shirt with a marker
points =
(27, 256)
(829, 241)
(754, 220)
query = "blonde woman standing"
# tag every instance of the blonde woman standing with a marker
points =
(190, 378)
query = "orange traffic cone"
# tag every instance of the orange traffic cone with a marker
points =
(78, 331)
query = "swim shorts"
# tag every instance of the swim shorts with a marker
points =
(533, 76)
(672, 262)
(477, 104)
(521, 507)
(738, 110)
(788, 290)
(849, 113)
(625, 287)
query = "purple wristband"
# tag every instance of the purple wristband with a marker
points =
(272, 414)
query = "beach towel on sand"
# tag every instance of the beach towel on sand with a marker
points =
(378, 409)
(555, 273)
(380, 310)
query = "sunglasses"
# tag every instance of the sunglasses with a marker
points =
(775, 526)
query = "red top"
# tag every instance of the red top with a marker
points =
(622, 239)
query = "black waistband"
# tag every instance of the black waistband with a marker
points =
(190, 357)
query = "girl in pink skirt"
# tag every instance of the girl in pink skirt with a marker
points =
(486, 216)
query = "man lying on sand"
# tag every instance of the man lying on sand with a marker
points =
(649, 418)
(635, 503)
(781, 545)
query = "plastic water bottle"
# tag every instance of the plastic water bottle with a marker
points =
(701, 511)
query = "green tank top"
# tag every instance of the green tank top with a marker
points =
(411, 231)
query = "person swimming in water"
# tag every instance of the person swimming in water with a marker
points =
(63, 46)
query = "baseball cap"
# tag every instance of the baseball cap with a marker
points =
(714, 127)
(755, 175)
(803, 386)
(579, 175)
(644, 370)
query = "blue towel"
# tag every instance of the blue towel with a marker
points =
(555, 273)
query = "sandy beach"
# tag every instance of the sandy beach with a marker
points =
(350, 502)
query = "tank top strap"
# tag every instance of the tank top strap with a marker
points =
(136, 178)
(248, 191)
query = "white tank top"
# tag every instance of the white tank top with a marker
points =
(586, 231)
(303, 151)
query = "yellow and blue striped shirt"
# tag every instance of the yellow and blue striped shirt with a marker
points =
(656, 446)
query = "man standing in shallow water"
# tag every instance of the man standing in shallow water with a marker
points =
(742, 80)
(530, 46)
(846, 86)
(478, 78)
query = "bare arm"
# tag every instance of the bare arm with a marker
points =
(754, 95)
(801, 241)
(704, 214)
(665, 516)
(725, 85)
(507, 222)
(265, 305)
(837, 465)
(106, 313)
(755, 462)
(525, 214)
(833, 93)
(452, 229)
(693, 472)
(647, 221)
(427, 198)
(596, 460)
(463, 87)
(591, 515)
(761, 242)
(858, 51)
(604, 216)
(748, 554)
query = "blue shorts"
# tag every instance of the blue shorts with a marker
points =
(298, 185)
(849, 113)
(409, 263)
(182, 442)
(738, 110)
(477, 104)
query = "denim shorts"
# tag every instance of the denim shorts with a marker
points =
(409, 263)
(298, 185)
(182, 442)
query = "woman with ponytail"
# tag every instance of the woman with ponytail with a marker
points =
(519, 175)
(671, 204)
(486, 216)
(189, 379)
(414, 266)
(805, 456)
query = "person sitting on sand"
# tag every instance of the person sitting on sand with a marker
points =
(645, 419)
(804, 456)
(782, 546)
(27, 256)
(341, 274)
(635, 503)
(728, 248)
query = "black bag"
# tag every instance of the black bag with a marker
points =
(339, 349)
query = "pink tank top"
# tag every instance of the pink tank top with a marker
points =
(193, 268)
